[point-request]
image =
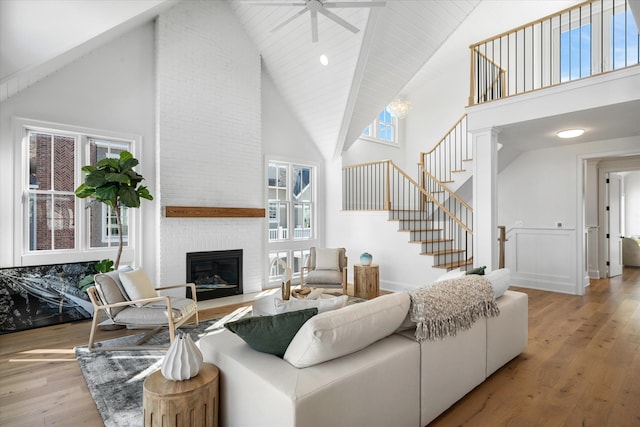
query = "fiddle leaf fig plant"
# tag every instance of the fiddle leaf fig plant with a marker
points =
(114, 182)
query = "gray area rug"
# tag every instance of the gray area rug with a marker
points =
(115, 378)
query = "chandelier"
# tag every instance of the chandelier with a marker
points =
(399, 108)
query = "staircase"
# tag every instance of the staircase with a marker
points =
(429, 211)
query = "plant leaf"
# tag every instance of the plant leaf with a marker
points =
(84, 191)
(125, 155)
(107, 193)
(129, 197)
(117, 177)
(143, 192)
(96, 178)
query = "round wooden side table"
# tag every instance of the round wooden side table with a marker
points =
(366, 281)
(192, 402)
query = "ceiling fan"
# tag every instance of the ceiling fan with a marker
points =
(319, 6)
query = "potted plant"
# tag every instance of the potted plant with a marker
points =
(114, 182)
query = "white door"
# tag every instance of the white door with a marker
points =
(614, 233)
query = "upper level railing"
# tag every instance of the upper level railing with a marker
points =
(591, 38)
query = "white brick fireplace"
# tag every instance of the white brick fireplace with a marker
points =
(209, 149)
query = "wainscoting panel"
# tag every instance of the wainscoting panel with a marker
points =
(592, 252)
(542, 258)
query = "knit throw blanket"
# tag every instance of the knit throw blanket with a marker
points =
(444, 308)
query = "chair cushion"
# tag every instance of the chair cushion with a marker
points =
(137, 285)
(109, 292)
(327, 259)
(155, 314)
(340, 332)
(271, 334)
(330, 277)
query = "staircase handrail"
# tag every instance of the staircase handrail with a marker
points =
(424, 192)
(451, 129)
(447, 189)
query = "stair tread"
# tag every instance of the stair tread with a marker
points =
(458, 170)
(453, 264)
(467, 160)
(431, 241)
(423, 229)
(445, 252)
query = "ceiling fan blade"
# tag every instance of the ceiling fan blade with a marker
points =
(286, 21)
(314, 26)
(274, 3)
(355, 4)
(335, 18)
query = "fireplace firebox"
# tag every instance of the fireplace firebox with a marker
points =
(216, 274)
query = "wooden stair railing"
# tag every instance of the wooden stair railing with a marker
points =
(449, 154)
(443, 228)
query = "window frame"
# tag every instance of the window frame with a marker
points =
(23, 255)
(290, 247)
(374, 128)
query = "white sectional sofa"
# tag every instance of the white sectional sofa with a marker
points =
(392, 381)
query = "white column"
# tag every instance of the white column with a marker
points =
(485, 198)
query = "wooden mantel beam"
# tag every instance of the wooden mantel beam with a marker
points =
(212, 212)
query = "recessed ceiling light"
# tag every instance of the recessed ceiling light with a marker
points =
(324, 60)
(570, 133)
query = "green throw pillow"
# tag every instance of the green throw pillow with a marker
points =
(271, 334)
(479, 271)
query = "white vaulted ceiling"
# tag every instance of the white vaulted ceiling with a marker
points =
(334, 103)
(366, 70)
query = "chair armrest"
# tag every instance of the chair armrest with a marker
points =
(184, 285)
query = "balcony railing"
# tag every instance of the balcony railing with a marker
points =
(591, 38)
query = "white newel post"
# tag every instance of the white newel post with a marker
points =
(485, 198)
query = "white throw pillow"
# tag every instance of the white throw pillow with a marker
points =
(137, 284)
(337, 333)
(454, 274)
(327, 259)
(499, 280)
(322, 304)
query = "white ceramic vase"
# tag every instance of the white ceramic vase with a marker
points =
(183, 359)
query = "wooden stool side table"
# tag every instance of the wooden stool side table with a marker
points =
(193, 402)
(366, 281)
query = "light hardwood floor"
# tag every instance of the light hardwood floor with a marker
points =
(581, 368)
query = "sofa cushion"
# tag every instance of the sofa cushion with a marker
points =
(271, 334)
(479, 271)
(323, 277)
(322, 304)
(137, 285)
(340, 332)
(453, 274)
(499, 280)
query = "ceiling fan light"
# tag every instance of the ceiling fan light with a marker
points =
(324, 60)
(570, 133)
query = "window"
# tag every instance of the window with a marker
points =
(608, 41)
(624, 40)
(290, 201)
(54, 220)
(575, 57)
(383, 129)
(291, 207)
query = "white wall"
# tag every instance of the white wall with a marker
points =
(110, 89)
(209, 137)
(439, 94)
(552, 193)
(632, 203)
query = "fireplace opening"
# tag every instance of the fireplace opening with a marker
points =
(216, 274)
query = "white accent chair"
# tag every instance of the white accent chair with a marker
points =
(326, 268)
(154, 313)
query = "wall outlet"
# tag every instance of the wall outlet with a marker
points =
(518, 224)
(558, 224)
